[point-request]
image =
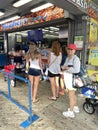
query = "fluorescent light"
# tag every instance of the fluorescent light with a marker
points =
(20, 3)
(54, 28)
(1, 13)
(51, 31)
(10, 19)
(42, 7)
(49, 35)
(45, 30)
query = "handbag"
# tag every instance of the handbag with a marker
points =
(81, 81)
(78, 82)
(46, 72)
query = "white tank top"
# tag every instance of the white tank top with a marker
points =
(34, 64)
(55, 65)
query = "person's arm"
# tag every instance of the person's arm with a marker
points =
(76, 66)
(65, 68)
(27, 57)
(49, 56)
(40, 61)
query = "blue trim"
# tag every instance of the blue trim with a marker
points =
(26, 123)
(32, 117)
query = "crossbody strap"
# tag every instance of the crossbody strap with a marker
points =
(53, 61)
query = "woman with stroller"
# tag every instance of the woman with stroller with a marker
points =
(33, 57)
(71, 66)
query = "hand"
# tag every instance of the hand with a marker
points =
(64, 68)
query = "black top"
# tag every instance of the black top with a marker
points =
(18, 59)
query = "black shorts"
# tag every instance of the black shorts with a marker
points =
(34, 72)
(53, 75)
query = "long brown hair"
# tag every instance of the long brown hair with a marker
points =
(56, 48)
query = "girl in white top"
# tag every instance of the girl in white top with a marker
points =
(54, 65)
(34, 59)
(54, 62)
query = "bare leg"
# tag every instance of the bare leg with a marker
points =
(72, 99)
(35, 87)
(57, 86)
(31, 78)
(53, 88)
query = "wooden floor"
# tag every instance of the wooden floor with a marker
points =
(49, 112)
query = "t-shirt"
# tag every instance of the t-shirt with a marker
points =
(74, 64)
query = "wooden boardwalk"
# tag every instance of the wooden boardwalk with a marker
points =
(49, 112)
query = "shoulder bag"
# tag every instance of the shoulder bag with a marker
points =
(46, 72)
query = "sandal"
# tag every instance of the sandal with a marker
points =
(36, 100)
(62, 92)
(52, 98)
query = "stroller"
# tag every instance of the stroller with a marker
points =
(89, 90)
(91, 102)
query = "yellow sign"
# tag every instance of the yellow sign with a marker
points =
(93, 36)
(93, 56)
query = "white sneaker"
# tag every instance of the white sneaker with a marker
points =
(76, 109)
(69, 114)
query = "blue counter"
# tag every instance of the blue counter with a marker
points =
(3, 59)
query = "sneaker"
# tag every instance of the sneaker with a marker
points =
(76, 109)
(69, 114)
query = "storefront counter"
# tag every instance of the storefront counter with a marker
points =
(3, 59)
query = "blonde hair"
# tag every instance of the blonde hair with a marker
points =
(31, 52)
(56, 48)
(34, 55)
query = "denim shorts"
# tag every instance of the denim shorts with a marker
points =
(34, 72)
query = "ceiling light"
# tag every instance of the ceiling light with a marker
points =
(20, 3)
(54, 28)
(1, 13)
(10, 19)
(49, 35)
(42, 7)
(45, 30)
(51, 31)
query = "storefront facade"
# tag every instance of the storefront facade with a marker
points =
(77, 13)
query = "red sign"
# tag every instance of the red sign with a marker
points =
(45, 15)
(92, 10)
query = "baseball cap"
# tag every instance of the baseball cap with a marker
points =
(72, 46)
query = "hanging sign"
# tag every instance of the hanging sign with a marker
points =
(93, 33)
(45, 15)
(79, 42)
(80, 3)
(92, 9)
(93, 56)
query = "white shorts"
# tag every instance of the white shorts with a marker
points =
(68, 80)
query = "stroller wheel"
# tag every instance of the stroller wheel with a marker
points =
(88, 108)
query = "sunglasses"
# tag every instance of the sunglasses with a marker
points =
(69, 49)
